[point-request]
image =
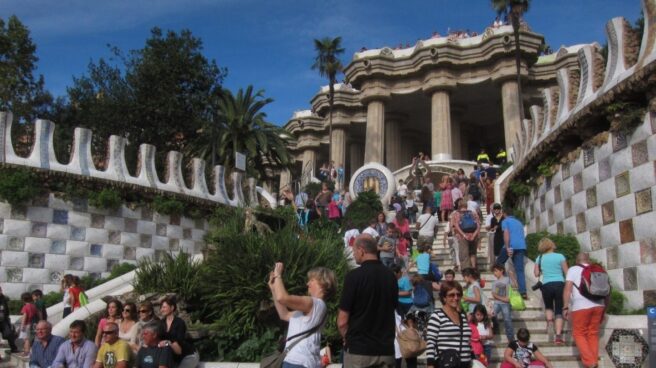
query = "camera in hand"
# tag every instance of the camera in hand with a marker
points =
(537, 285)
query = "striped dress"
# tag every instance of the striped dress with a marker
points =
(443, 334)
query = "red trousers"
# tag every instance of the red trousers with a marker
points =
(585, 330)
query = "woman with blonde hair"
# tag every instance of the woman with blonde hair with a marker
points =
(304, 313)
(552, 267)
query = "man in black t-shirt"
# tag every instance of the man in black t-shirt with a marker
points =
(366, 311)
(150, 355)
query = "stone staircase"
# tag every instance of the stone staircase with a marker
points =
(561, 356)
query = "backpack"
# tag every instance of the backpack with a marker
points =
(467, 222)
(420, 296)
(433, 270)
(84, 299)
(595, 284)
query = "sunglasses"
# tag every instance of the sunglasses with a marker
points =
(144, 311)
(108, 332)
(454, 295)
(127, 310)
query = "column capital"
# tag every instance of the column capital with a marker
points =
(431, 90)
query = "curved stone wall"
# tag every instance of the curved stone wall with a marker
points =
(604, 194)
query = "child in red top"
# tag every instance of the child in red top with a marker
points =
(30, 318)
(74, 293)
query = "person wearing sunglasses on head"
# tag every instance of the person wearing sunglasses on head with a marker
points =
(128, 329)
(114, 352)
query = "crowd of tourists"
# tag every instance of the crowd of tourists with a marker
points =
(391, 293)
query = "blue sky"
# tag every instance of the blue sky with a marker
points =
(269, 43)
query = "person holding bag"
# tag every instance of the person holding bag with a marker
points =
(306, 315)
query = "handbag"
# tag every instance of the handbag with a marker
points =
(450, 358)
(275, 359)
(516, 300)
(410, 342)
(416, 235)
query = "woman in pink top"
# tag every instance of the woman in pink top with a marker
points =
(446, 204)
(402, 243)
(112, 314)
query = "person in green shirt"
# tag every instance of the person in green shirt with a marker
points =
(437, 197)
(37, 297)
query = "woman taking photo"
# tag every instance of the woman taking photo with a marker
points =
(552, 266)
(112, 314)
(448, 331)
(303, 313)
(175, 335)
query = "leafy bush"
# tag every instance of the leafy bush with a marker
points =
(363, 209)
(567, 245)
(519, 189)
(52, 298)
(174, 274)
(18, 185)
(616, 304)
(167, 206)
(312, 189)
(546, 167)
(238, 302)
(107, 198)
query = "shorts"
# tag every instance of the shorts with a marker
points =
(424, 241)
(552, 294)
(472, 246)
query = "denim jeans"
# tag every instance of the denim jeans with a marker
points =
(504, 309)
(518, 261)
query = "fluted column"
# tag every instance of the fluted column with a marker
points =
(356, 156)
(285, 179)
(441, 145)
(374, 149)
(393, 144)
(456, 142)
(309, 165)
(511, 112)
(338, 149)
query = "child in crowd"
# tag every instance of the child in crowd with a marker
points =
(475, 343)
(387, 246)
(473, 294)
(405, 291)
(401, 249)
(449, 275)
(500, 294)
(30, 318)
(40, 304)
(423, 261)
(522, 353)
(484, 328)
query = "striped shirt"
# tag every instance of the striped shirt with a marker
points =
(443, 334)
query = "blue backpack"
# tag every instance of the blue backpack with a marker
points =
(467, 222)
(433, 270)
(420, 296)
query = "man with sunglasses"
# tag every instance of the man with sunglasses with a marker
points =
(113, 353)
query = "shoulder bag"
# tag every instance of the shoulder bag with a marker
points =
(410, 342)
(275, 359)
(450, 358)
(416, 235)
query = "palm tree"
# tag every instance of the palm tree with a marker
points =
(244, 129)
(327, 62)
(515, 9)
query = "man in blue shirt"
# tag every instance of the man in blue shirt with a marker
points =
(514, 247)
(45, 346)
(77, 352)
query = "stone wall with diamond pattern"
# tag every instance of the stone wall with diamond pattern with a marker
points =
(51, 237)
(605, 197)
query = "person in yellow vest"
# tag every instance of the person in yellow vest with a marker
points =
(501, 156)
(483, 157)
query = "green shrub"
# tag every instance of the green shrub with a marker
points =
(120, 270)
(312, 189)
(546, 167)
(567, 245)
(18, 185)
(174, 274)
(15, 306)
(616, 304)
(52, 298)
(238, 302)
(363, 209)
(168, 206)
(519, 189)
(107, 198)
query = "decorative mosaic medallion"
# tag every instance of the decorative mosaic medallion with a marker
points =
(627, 348)
(376, 177)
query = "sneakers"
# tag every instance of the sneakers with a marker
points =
(559, 340)
(525, 296)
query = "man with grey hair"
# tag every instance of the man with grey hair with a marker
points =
(45, 346)
(150, 355)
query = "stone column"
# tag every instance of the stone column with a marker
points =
(285, 179)
(511, 112)
(356, 157)
(393, 159)
(374, 149)
(456, 135)
(338, 149)
(441, 148)
(309, 166)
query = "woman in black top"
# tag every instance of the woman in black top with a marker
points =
(174, 335)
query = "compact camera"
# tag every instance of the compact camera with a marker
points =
(537, 285)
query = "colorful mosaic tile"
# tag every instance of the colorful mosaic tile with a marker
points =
(95, 250)
(174, 244)
(78, 233)
(639, 153)
(557, 194)
(146, 240)
(16, 243)
(550, 217)
(643, 201)
(146, 213)
(129, 253)
(630, 278)
(648, 250)
(608, 212)
(77, 263)
(36, 260)
(620, 141)
(567, 207)
(161, 230)
(111, 263)
(622, 185)
(80, 204)
(560, 228)
(14, 274)
(565, 170)
(595, 239)
(591, 197)
(578, 182)
(39, 229)
(626, 231)
(612, 258)
(186, 234)
(588, 157)
(97, 221)
(18, 212)
(130, 225)
(60, 217)
(175, 219)
(580, 223)
(114, 237)
(604, 169)
(58, 247)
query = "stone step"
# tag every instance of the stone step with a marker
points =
(559, 361)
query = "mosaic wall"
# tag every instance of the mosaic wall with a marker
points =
(605, 197)
(52, 237)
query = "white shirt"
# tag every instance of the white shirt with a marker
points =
(371, 231)
(306, 352)
(427, 223)
(472, 206)
(488, 220)
(403, 190)
(350, 234)
(578, 301)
